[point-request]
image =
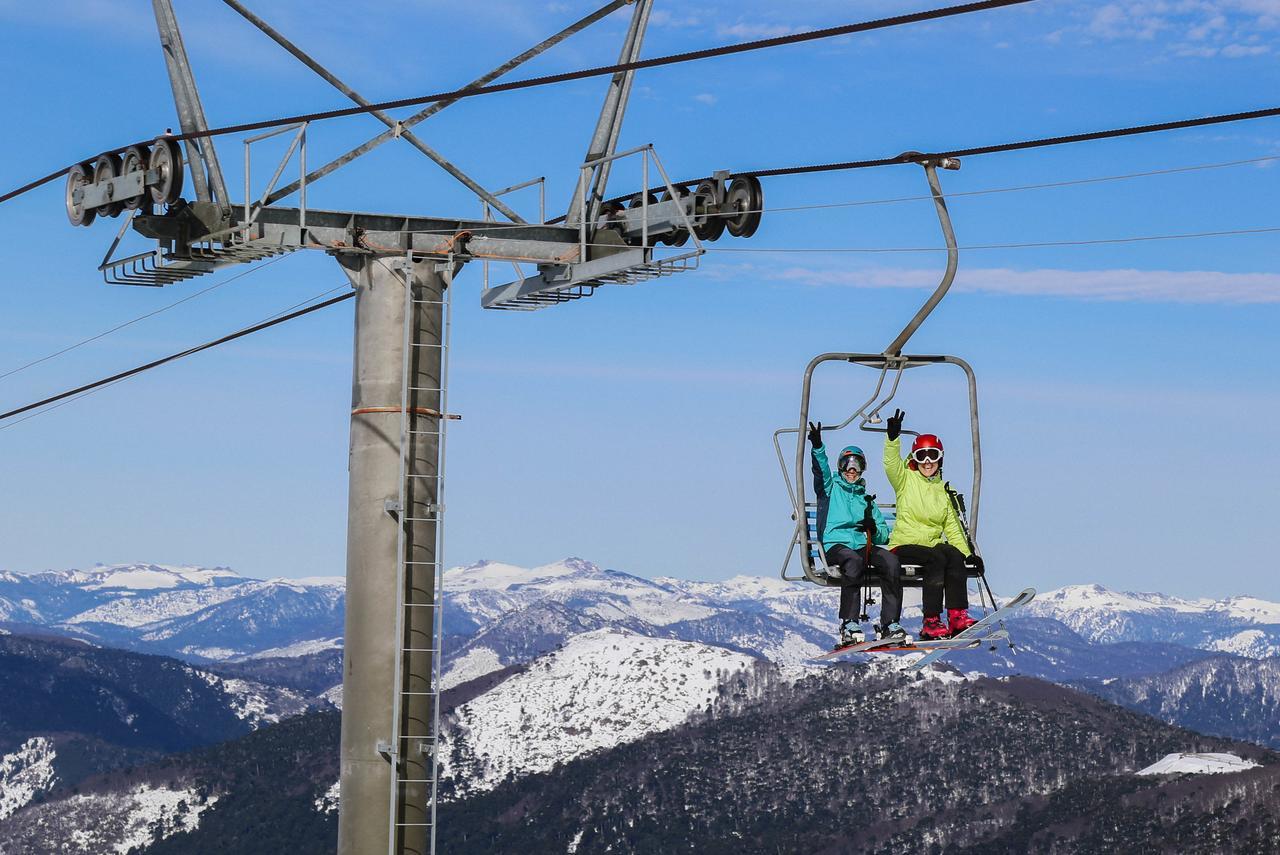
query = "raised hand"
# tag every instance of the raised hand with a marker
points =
(895, 424)
(815, 434)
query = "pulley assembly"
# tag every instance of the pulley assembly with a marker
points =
(712, 207)
(142, 177)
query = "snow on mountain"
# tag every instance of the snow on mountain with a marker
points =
(1220, 696)
(485, 591)
(1253, 643)
(301, 648)
(602, 689)
(198, 613)
(795, 602)
(328, 801)
(1206, 763)
(260, 704)
(148, 577)
(116, 822)
(511, 614)
(133, 611)
(1245, 625)
(25, 774)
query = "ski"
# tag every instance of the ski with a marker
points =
(888, 645)
(945, 645)
(1027, 595)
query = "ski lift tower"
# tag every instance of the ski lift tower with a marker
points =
(402, 269)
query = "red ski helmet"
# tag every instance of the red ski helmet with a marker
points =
(926, 440)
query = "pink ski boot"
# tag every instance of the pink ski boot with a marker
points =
(958, 620)
(933, 628)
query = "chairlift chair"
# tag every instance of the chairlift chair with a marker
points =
(891, 366)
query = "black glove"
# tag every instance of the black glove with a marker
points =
(974, 562)
(895, 424)
(815, 434)
(867, 527)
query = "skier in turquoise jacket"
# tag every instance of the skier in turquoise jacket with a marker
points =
(928, 531)
(853, 534)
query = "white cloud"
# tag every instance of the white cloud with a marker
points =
(1191, 28)
(1168, 286)
(663, 18)
(705, 98)
(1234, 51)
(755, 31)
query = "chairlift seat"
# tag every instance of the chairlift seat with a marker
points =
(912, 574)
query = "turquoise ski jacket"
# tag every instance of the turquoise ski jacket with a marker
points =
(925, 512)
(848, 504)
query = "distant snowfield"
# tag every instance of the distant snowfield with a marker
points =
(1245, 626)
(152, 576)
(1197, 764)
(134, 611)
(301, 648)
(603, 689)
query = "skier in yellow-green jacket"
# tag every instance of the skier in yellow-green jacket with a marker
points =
(928, 531)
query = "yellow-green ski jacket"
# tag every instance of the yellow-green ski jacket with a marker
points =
(925, 512)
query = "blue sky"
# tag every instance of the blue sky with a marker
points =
(1128, 390)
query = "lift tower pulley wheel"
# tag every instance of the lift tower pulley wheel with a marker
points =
(79, 177)
(105, 169)
(166, 161)
(743, 206)
(137, 158)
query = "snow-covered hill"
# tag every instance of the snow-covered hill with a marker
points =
(201, 614)
(1221, 696)
(602, 689)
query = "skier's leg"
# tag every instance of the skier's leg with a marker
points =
(932, 570)
(851, 594)
(890, 586)
(851, 568)
(957, 586)
(957, 578)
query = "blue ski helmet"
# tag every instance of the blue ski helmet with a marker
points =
(852, 457)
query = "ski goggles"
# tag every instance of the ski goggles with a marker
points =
(927, 455)
(851, 463)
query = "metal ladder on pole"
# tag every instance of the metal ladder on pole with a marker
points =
(419, 624)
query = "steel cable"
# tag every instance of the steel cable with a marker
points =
(133, 321)
(115, 378)
(549, 79)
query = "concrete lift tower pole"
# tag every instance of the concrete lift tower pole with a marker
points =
(402, 270)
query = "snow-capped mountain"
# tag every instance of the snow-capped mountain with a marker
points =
(200, 614)
(1245, 626)
(504, 615)
(512, 614)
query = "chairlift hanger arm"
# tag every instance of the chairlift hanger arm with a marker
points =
(953, 252)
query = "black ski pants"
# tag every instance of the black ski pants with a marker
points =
(852, 564)
(944, 573)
